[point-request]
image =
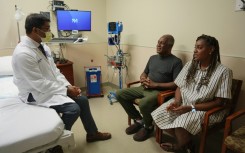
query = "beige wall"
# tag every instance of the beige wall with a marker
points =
(9, 36)
(87, 55)
(95, 48)
(146, 20)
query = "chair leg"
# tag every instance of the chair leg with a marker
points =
(203, 140)
(227, 132)
(223, 148)
(158, 135)
(129, 121)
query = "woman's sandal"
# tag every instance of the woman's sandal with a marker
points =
(170, 147)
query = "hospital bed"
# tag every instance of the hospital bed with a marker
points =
(27, 128)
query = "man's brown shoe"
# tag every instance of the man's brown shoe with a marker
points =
(99, 136)
(133, 128)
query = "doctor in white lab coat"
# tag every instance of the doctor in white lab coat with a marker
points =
(40, 82)
(38, 75)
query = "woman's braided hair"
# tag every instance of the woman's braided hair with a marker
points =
(212, 42)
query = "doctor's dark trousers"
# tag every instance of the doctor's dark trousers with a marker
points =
(71, 111)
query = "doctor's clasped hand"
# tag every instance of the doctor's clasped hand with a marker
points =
(73, 91)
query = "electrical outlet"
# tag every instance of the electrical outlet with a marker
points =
(239, 6)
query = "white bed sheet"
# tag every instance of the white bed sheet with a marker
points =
(7, 88)
(27, 128)
(23, 126)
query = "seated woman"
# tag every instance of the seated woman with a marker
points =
(203, 83)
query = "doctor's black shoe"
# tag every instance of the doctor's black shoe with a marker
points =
(56, 149)
(99, 136)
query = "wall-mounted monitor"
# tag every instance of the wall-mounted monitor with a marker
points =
(73, 20)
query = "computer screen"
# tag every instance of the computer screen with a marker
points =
(73, 20)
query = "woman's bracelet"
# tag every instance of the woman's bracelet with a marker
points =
(193, 109)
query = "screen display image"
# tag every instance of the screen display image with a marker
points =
(73, 20)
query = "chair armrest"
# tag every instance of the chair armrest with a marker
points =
(210, 112)
(235, 115)
(131, 83)
(163, 95)
(229, 119)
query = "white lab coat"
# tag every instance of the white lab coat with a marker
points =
(38, 75)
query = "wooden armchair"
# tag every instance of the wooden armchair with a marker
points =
(236, 88)
(160, 100)
(234, 141)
